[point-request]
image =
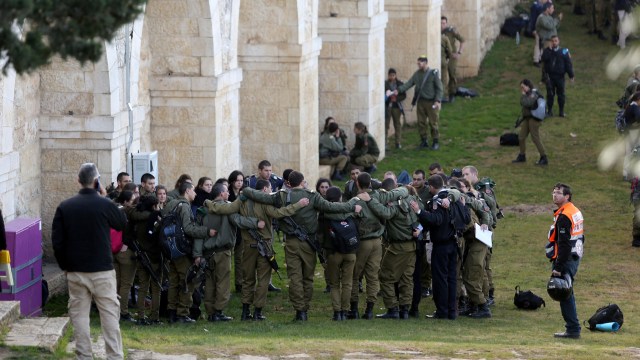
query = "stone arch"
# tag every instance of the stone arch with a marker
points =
(193, 86)
(278, 49)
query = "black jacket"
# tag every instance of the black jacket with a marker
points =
(557, 62)
(80, 232)
(438, 222)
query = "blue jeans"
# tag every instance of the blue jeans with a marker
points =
(568, 307)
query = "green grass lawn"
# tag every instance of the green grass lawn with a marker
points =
(609, 272)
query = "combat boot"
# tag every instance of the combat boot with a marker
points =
(171, 314)
(471, 308)
(257, 314)
(301, 315)
(404, 312)
(246, 313)
(218, 315)
(368, 312)
(337, 175)
(353, 312)
(543, 161)
(436, 145)
(337, 316)
(392, 313)
(424, 144)
(482, 312)
(463, 304)
(414, 312)
(520, 159)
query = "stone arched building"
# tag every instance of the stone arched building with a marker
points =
(219, 85)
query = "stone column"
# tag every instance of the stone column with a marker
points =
(413, 30)
(278, 52)
(352, 65)
(194, 86)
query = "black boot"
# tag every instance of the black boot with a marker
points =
(171, 313)
(404, 312)
(635, 242)
(337, 175)
(424, 144)
(491, 300)
(368, 312)
(543, 161)
(246, 313)
(520, 159)
(392, 313)
(257, 314)
(353, 312)
(343, 314)
(218, 315)
(463, 304)
(301, 315)
(482, 312)
(337, 316)
(414, 312)
(471, 308)
(436, 145)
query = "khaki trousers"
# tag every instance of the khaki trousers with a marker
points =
(337, 163)
(428, 118)
(180, 293)
(217, 288)
(145, 282)
(368, 258)
(473, 273)
(530, 126)
(254, 267)
(340, 275)
(301, 264)
(101, 287)
(125, 265)
(395, 114)
(397, 266)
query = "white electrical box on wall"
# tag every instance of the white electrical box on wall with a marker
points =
(142, 163)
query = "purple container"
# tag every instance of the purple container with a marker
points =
(24, 242)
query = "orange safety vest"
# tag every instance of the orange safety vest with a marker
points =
(577, 231)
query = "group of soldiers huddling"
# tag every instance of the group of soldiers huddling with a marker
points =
(406, 241)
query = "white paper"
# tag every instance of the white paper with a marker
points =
(484, 236)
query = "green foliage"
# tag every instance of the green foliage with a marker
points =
(32, 31)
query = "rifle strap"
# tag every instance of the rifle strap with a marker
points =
(424, 80)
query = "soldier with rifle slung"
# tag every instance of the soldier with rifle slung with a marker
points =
(255, 265)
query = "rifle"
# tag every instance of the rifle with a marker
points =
(301, 234)
(195, 272)
(145, 261)
(266, 251)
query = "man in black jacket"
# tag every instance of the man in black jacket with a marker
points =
(393, 108)
(82, 246)
(557, 62)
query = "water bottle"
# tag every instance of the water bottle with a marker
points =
(518, 38)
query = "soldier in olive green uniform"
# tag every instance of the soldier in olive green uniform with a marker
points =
(146, 209)
(175, 193)
(398, 262)
(215, 251)
(255, 266)
(484, 192)
(300, 254)
(365, 152)
(369, 254)
(179, 298)
(125, 264)
(419, 183)
(451, 33)
(446, 53)
(331, 151)
(471, 272)
(428, 96)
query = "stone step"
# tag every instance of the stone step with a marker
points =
(323, 171)
(9, 312)
(55, 277)
(42, 332)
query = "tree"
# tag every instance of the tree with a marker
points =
(32, 31)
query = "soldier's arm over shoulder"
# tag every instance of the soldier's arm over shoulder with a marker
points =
(279, 213)
(244, 222)
(395, 194)
(223, 208)
(259, 196)
(190, 227)
(380, 210)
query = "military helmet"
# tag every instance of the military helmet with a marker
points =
(560, 288)
(485, 182)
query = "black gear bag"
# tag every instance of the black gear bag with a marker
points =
(527, 300)
(606, 314)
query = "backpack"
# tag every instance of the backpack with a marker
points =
(173, 241)
(509, 139)
(606, 314)
(460, 217)
(344, 235)
(527, 300)
(621, 121)
(540, 111)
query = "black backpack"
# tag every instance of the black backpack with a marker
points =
(173, 240)
(527, 300)
(460, 217)
(344, 235)
(606, 314)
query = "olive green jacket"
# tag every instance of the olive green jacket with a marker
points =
(330, 146)
(365, 144)
(226, 227)
(189, 225)
(400, 217)
(306, 217)
(453, 35)
(432, 88)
